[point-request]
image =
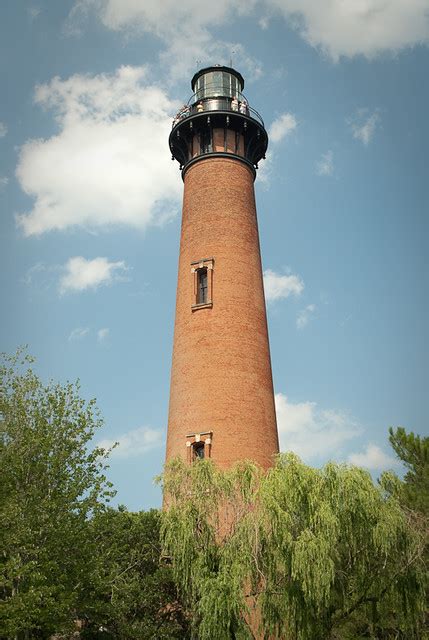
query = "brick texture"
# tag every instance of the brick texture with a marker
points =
(221, 377)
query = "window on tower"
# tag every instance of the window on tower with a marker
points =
(202, 286)
(198, 451)
(198, 446)
(206, 141)
(202, 273)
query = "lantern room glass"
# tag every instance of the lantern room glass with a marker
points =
(217, 84)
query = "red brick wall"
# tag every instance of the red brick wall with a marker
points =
(221, 375)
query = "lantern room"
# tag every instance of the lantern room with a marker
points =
(217, 82)
(217, 120)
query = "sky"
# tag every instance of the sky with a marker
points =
(90, 210)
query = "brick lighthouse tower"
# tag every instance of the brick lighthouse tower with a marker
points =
(221, 395)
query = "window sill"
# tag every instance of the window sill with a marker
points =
(205, 305)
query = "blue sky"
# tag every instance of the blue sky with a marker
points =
(90, 204)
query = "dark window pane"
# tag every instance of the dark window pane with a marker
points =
(202, 286)
(206, 141)
(199, 450)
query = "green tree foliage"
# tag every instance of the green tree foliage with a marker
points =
(70, 565)
(52, 483)
(413, 491)
(302, 553)
(413, 451)
(134, 595)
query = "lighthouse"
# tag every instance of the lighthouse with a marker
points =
(221, 394)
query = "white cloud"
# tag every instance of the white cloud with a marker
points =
(81, 332)
(186, 50)
(337, 28)
(325, 166)
(81, 274)
(134, 443)
(312, 432)
(103, 334)
(4, 181)
(108, 164)
(349, 28)
(304, 316)
(264, 23)
(363, 125)
(78, 333)
(282, 127)
(373, 458)
(163, 17)
(184, 27)
(33, 12)
(32, 273)
(3, 129)
(277, 285)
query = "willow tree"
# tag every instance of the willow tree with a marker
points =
(298, 553)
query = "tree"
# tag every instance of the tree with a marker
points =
(52, 484)
(413, 491)
(413, 451)
(299, 553)
(134, 596)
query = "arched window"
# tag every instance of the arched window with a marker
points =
(198, 446)
(198, 450)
